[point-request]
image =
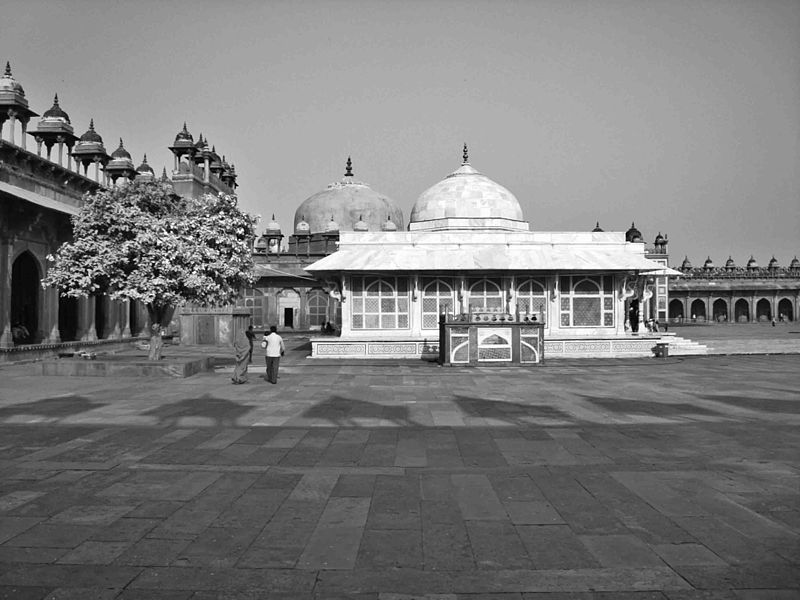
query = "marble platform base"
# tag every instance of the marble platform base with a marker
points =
(606, 347)
(128, 367)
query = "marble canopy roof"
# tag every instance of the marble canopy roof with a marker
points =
(497, 251)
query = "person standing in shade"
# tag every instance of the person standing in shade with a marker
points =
(274, 350)
(251, 336)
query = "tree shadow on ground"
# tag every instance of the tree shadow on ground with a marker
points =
(760, 404)
(512, 413)
(57, 408)
(220, 411)
(651, 408)
(348, 412)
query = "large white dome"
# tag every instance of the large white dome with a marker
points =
(467, 199)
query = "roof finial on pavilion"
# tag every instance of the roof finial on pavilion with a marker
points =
(349, 170)
(466, 154)
(91, 124)
(163, 173)
(8, 69)
(55, 100)
(144, 160)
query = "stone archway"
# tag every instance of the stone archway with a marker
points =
(288, 309)
(675, 310)
(763, 310)
(67, 318)
(698, 310)
(786, 309)
(25, 297)
(720, 310)
(742, 311)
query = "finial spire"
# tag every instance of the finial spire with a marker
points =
(163, 173)
(55, 100)
(144, 160)
(466, 154)
(120, 143)
(8, 69)
(91, 124)
(349, 170)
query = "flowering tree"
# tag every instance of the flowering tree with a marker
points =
(143, 242)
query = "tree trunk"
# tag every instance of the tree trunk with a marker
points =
(156, 314)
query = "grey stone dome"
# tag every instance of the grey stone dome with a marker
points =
(347, 202)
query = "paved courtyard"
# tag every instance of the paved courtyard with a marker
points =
(616, 479)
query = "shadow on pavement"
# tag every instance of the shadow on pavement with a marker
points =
(64, 406)
(511, 412)
(347, 412)
(224, 413)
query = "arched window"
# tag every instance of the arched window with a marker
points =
(486, 294)
(587, 301)
(437, 298)
(317, 308)
(379, 303)
(531, 298)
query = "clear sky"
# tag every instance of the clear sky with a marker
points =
(683, 116)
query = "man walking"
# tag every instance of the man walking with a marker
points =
(274, 350)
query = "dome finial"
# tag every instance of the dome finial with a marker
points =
(144, 160)
(55, 100)
(349, 170)
(91, 124)
(466, 154)
(8, 69)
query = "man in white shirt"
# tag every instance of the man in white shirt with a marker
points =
(274, 350)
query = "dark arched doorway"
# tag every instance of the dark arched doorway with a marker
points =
(742, 311)
(100, 316)
(720, 309)
(67, 318)
(699, 310)
(24, 315)
(763, 310)
(785, 309)
(675, 310)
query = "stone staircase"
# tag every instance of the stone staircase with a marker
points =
(679, 346)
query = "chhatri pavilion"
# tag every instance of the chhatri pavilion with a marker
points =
(468, 255)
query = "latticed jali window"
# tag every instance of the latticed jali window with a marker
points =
(587, 301)
(485, 294)
(379, 303)
(531, 298)
(317, 308)
(437, 298)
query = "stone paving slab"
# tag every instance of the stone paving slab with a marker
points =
(632, 479)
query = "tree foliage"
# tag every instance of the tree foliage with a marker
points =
(143, 242)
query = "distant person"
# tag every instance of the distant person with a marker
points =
(655, 326)
(274, 349)
(241, 349)
(633, 316)
(251, 336)
(773, 321)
